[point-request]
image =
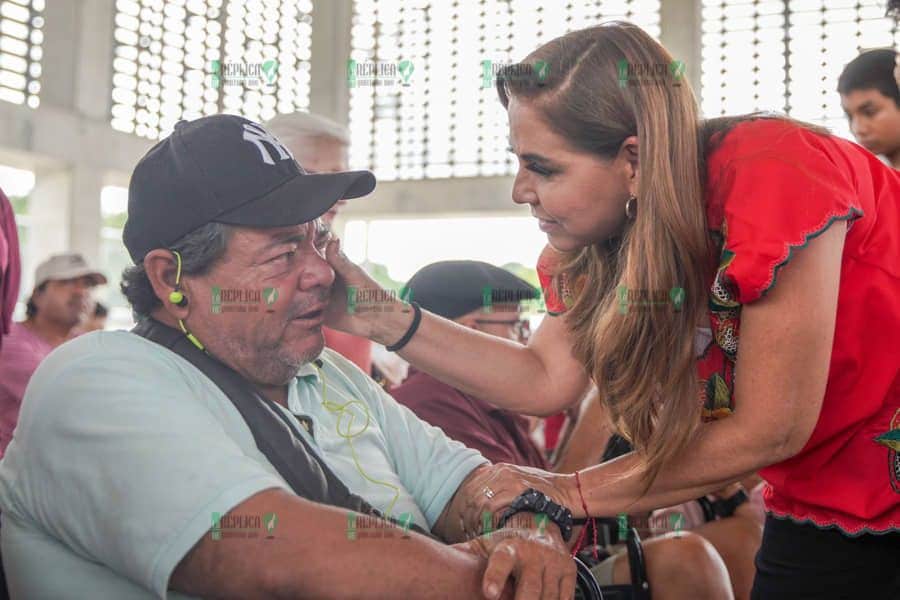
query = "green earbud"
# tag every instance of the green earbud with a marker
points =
(176, 297)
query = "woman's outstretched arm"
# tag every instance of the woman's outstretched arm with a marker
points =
(782, 367)
(541, 378)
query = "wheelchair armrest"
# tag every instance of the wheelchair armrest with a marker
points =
(638, 566)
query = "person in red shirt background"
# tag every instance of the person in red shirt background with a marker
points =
(321, 146)
(10, 265)
(779, 239)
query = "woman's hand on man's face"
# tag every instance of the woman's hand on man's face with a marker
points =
(357, 300)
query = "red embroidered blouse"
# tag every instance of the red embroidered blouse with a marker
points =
(771, 187)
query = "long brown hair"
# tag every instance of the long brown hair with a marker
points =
(596, 87)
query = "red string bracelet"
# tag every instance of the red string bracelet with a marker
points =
(591, 522)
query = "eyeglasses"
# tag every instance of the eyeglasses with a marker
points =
(520, 327)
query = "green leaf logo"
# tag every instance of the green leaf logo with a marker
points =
(270, 295)
(487, 299)
(351, 73)
(405, 520)
(406, 69)
(270, 520)
(622, 67)
(541, 520)
(676, 294)
(215, 69)
(351, 300)
(622, 295)
(676, 67)
(676, 521)
(541, 70)
(216, 300)
(351, 526)
(623, 526)
(270, 68)
(487, 74)
(487, 522)
(216, 530)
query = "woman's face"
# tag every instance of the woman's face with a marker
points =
(578, 198)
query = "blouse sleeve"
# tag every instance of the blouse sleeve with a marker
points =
(772, 202)
(546, 265)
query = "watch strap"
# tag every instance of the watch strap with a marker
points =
(534, 501)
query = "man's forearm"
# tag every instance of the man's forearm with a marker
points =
(314, 554)
(451, 526)
(380, 567)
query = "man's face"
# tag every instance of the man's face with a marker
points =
(64, 301)
(874, 120)
(322, 155)
(265, 317)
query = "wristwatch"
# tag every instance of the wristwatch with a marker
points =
(725, 507)
(531, 500)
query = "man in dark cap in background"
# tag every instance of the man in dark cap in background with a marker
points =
(485, 298)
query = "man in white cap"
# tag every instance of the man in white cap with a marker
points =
(321, 146)
(57, 305)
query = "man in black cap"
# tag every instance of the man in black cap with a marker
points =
(140, 466)
(488, 299)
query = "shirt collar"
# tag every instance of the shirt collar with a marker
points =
(307, 369)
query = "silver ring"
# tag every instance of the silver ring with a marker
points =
(488, 492)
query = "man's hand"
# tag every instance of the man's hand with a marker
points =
(537, 560)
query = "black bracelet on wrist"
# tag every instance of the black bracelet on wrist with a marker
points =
(417, 318)
(531, 500)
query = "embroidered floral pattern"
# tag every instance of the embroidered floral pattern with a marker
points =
(716, 367)
(891, 439)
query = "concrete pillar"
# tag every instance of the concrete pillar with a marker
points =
(48, 210)
(680, 31)
(93, 80)
(85, 220)
(331, 25)
(60, 61)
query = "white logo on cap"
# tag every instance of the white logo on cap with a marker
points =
(257, 135)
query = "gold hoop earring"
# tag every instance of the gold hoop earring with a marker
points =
(631, 207)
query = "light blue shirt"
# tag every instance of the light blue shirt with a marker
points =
(124, 450)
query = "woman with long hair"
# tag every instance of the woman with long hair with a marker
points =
(731, 286)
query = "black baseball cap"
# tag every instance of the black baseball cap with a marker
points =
(225, 169)
(453, 288)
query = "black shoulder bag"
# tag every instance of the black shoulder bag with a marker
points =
(274, 434)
